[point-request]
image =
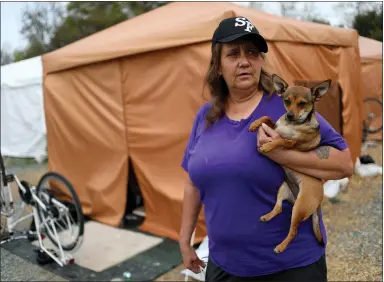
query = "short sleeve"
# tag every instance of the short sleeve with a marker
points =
(329, 136)
(197, 129)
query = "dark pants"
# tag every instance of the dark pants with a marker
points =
(313, 272)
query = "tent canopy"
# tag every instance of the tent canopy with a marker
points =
(22, 116)
(23, 73)
(370, 48)
(133, 90)
(178, 24)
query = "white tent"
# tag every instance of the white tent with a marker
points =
(23, 130)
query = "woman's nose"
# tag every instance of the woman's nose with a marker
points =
(243, 60)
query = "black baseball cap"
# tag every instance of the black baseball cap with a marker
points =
(234, 28)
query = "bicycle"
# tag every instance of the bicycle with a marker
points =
(50, 204)
(370, 104)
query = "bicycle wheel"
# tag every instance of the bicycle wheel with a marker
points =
(8, 206)
(3, 183)
(373, 109)
(3, 173)
(63, 210)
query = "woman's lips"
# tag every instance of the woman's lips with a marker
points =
(244, 74)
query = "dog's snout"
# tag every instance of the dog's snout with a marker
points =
(290, 116)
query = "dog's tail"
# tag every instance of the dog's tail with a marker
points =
(316, 225)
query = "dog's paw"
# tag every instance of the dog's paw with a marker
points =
(260, 149)
(254, 126)
(279, 249)
(267, 147)
(264, 218)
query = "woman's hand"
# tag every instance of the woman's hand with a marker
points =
(323, 162)
(190, 259)
(266, 134)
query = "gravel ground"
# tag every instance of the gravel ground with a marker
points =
(355, 229)
(14, 268)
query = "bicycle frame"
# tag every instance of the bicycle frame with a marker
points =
(6, 195)
(64, 259)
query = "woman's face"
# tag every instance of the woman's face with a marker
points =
(240, 65)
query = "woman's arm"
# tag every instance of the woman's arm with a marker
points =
(324, 162)
(191, 209)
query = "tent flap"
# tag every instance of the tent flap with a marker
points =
(169, 95)
(87, 137)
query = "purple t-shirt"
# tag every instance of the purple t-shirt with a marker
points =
(237, 185)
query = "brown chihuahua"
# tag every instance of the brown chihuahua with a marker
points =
(299, 130)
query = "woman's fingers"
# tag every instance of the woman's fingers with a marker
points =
(262, 137)
(196, 265)
(199, 262)
(270, 132)
(191, 260)
(194, 268)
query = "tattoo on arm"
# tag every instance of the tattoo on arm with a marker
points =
(322, 152)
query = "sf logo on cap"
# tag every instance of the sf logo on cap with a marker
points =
(243, 22)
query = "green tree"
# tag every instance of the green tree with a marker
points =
(19, 55)
(370, 24)
(40, 20)
(6, 55)
(349, 10)
(52, 26)
(310, 13)
(86, 18)
(289, 9)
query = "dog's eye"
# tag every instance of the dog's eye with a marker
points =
(301, 104)
(287, 102)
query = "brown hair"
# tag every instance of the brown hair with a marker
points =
(218, 87)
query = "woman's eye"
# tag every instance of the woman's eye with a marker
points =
(253, 53)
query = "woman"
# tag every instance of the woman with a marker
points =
(236, 183)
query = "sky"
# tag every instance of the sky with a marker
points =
(11, 13)
(11, 19)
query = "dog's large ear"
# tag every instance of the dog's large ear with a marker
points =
(319, 90)
(279, 84)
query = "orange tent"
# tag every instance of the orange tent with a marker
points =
(371, 54)
(132, 91)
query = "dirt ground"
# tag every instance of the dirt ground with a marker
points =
(354, 227)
